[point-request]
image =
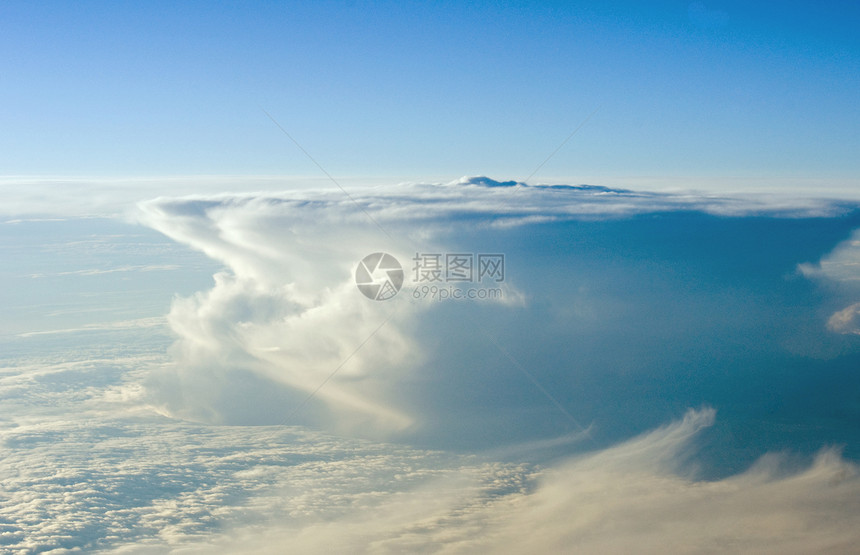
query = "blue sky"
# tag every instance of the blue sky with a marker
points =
(689, 92)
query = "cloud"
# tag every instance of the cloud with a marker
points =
(482, 197)
(846, 320)
(839, 270)
(84, 469)
(841, 265)
(286, 313)
(633, 497)
(130, 268)
(632, 307)
(284, 321)
(139, 323)
(627, 499)
(78, 474)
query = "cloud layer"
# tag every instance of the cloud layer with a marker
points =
(90, 471)
(631, 497)
(626, 318)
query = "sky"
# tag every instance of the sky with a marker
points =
(668, 91)
(384, 278)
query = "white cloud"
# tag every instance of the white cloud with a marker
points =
(840, 268)
(79, 474)
(51, 198)
(85, 468)
(120, 269)
(287, 309)
(138, 323)
(628, 498)
(846, 320)
(841, 265)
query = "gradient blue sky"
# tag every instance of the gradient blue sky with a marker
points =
(691, 92)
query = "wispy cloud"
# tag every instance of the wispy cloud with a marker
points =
(631, 497)
(138, 323)
(120, 269)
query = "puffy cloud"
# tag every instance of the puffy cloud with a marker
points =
(285, 313)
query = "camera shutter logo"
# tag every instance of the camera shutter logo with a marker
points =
(379, 276)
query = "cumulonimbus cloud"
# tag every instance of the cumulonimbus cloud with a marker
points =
(286, 312)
